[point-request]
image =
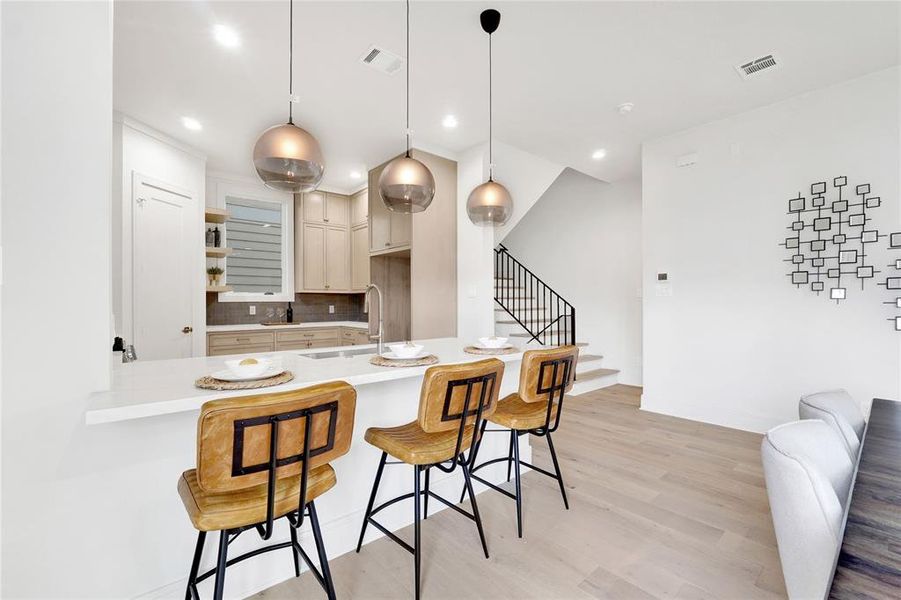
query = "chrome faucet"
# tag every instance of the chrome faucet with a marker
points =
(381, 333)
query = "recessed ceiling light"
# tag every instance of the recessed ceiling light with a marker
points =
(226, 36)
(192, 124)
(355, 175)
(599, 154)
(449, 121)
(625, 108)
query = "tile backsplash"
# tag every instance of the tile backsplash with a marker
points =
(307, 308)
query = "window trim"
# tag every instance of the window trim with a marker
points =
(260, 193)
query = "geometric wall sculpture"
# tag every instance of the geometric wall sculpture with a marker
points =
(892, 281)
(829, 237)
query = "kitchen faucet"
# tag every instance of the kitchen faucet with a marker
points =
(380, 334)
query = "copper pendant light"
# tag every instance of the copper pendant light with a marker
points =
(406, 185)
(489, 203)
(287, 157)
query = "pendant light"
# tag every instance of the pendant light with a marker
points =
(287, 157)
(489, 203)
(406, 185)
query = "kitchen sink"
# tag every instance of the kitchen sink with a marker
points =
(340, 353)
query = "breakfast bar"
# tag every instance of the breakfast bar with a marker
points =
(156, 404)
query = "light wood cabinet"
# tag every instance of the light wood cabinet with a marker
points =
(313, 249)
(322, 252)
(337, 259)
(326, 208)
(359, 208)
(388, 231)
(233, 342)
(359, 257)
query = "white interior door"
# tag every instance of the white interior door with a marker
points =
(162, 279)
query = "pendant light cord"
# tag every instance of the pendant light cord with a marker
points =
(408, 79)
(291, 62)
(490, 116)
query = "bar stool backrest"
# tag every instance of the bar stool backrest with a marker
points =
(236, 436)
(449, 390)
(547, 373)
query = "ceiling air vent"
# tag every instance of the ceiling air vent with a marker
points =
(757, 66)
(382, 60)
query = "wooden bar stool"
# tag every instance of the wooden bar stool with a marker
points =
(544, 378)
(261, 458)
(452, 405)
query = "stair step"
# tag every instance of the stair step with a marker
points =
(514, 322)
(520, 309)
(587, 358)
(589, 381)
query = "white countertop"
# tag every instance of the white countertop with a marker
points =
(160, 387)
(311, 324)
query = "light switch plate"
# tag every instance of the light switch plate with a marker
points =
(663, 289)
(253, 310)
(331, 309)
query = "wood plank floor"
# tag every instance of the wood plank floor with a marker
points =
(660, 508)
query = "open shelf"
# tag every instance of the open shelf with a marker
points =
(215, 289)
(214, 252)
(215, 215)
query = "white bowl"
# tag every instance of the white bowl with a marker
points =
(493, 342)
(251, 370)
(405, 350)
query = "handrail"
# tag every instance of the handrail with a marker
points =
(532, 304)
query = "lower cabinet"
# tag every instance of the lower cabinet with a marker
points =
(222, 343)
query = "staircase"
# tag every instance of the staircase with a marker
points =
(527, 310)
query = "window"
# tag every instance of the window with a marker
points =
(259, 233)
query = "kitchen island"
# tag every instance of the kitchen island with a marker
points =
(157, 405)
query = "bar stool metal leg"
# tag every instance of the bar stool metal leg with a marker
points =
(320, 549)
(294, 550)
(518, 483)
(475, 507)
(425, 500)
(375, 489)
(191, 591)
(221, 564)
(550, 445)
(510, 453)
(417, 555)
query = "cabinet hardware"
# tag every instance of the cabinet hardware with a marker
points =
(242, 339)
(187, 329)
(387, 243)
(326, 220)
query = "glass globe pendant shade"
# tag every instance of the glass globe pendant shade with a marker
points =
(489, 204)
(406, 185)
(289, 159)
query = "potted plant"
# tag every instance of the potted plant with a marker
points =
(214, 273)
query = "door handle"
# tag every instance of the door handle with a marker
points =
(187, 329)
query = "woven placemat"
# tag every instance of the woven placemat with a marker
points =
(490, 351)
(380, 361)
(211, 383)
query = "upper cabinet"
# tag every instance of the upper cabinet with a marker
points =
(324, 257)
(326, 208)
(388, 231)
(359, 208)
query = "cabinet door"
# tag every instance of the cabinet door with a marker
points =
(401, 229)
(359, 208)
(314, 207)
(314, 257)
(337, 261)
(337, 209)
(379, 225)
(359, 257)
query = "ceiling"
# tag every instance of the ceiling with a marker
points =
(560, 71)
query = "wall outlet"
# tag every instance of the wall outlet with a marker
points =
(331, 309)
(253, 310)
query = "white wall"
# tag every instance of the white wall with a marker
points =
(61, 509)
(139, 149)
(527, 177)
(736, 344)
(583, 238)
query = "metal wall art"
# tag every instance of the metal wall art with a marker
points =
(892, 282)
(829, 238)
